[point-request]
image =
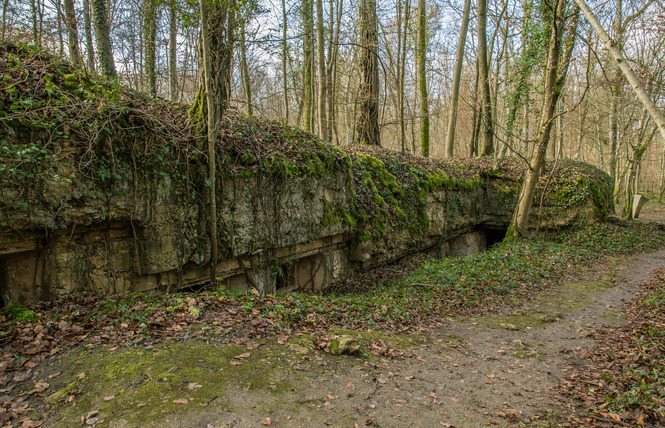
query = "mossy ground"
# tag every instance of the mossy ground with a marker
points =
(141, 386)
(144, 383)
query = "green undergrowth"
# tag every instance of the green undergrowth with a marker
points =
(457, 285)
(614, 237)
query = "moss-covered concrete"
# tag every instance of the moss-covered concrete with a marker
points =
(117, 202)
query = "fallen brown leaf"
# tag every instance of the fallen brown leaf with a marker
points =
(242, 356)
(29, 423)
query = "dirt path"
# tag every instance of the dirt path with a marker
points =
(501, 369)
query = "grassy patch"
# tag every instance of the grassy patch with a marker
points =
(512, 268)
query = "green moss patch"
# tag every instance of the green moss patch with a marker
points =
(19, 312)
(139, 385)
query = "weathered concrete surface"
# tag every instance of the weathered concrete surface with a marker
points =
(72, 237)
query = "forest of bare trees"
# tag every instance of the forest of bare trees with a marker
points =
(440, 78)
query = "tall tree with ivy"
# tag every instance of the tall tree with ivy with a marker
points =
(103, 37)
(561, 21)
(532, 56)
(321, 72)
(217, 40)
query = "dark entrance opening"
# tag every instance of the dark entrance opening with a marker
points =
(283, 274)
(494, 235)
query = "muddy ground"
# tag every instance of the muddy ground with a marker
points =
(501, 369)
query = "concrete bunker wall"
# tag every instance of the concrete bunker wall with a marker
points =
(272, 232)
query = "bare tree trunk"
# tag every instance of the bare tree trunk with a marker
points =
(631, 180)
(34, 9)
(60, 19)
(5, 5)
(612, 118)
(555, 77)
(103, 37)
(615, 86)
(285, 58)
(321, 71)
(173, 54)
(150, 30)
(244, 70)
(500, 83)
(367, 125)
(475, 120)
(87, 27)
(562, 109)
(457, 78)
(333, 53)
(72, 33)
(582, 131)
(487, 132)
(422, 78)
(402, 31)
(662, 176)
(308, 63)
